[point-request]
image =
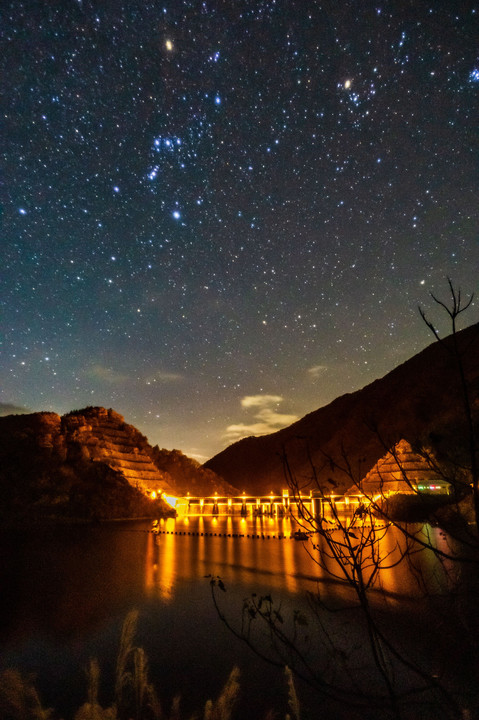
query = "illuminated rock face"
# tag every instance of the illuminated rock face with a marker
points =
(103, 436)
(90, 464)
(56, 468)
(402, 470)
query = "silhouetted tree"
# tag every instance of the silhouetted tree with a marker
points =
(358, 549)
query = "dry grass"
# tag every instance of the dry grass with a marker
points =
(293, 702)
(135, 697)
(19, 699)
(222, 708)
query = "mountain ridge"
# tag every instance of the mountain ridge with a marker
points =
(358, 427)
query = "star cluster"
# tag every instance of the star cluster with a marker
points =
(219, 213)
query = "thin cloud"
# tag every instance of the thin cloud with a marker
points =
(10, 409)
(267, 418)
(260, 400)
(107, 374)
(197, 456)
(164, 377)
(114, 377)
(317, 370)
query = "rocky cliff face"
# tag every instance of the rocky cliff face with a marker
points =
(87, 464)
(420, 399)
(103, 436)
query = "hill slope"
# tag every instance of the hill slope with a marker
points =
(186, 475)
(420, 397)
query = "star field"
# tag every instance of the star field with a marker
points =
(219, 216)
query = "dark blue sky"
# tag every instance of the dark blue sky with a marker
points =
(218, 216)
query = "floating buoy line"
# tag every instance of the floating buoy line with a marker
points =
(247, 536)
(250, 536)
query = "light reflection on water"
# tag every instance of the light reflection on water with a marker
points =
(274, 562)
(263, 553)
(66, 592)
(66, 580)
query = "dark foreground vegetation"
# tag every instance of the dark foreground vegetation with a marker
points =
(133, 697)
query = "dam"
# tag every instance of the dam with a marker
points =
(272, 505)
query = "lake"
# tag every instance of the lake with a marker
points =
(67, 590)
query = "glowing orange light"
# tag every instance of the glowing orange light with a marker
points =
(171, 500)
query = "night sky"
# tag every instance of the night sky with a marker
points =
(219, 216)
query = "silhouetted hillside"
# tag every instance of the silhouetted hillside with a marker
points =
(187, 475)
(420, 398)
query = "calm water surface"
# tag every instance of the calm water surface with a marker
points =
(66, 591)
